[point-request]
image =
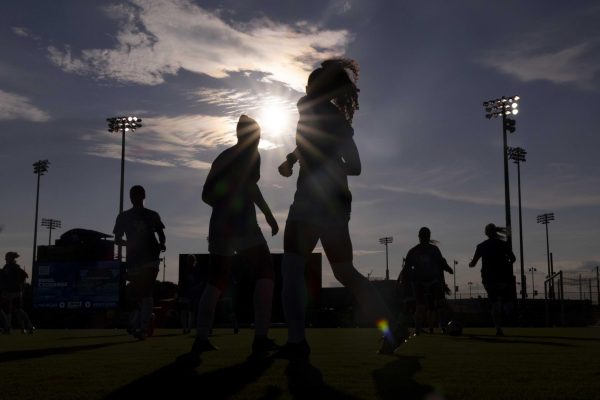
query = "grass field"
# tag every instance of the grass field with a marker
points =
(93, 364)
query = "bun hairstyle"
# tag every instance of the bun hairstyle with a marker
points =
(336, 80)
(495, 232)
(247, 129)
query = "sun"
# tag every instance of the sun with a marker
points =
(275, 119)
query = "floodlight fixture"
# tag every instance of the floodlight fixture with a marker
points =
(385, 241)
(40, 168)
(50, 224)
(545, 220)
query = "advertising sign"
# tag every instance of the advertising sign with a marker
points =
(76, 285)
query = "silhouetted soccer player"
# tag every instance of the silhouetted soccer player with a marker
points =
(12, 279)
(321, 208)
(140, 227)
(496, 271)
(424, 268)
(231, 189)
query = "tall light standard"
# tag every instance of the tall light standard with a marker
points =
(470, 285)
(454, 275)
(504, 107)
(532, 270)
(122, 125)
(545, 219)
(40, 168)
(50, 224)
(517, 154)
(386, 240)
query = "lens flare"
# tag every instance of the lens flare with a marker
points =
(383, 326)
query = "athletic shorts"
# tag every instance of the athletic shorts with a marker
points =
(499, 291)
(228, 245)
(307, 211)
(430, 294)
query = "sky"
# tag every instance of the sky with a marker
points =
(190, 68)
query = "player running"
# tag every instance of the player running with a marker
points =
(231, 190)
(140, 227)
(496, 271)
(12, 280)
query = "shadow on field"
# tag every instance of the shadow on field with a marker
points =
(396, 380)
(305, 381)
(52, 351)
(550, 337)
(181, 380)
(494, 339)
(93, 336)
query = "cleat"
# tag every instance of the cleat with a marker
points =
(138, 334)
(293, 351)
(202, 345)
(499, 332)
(264, 345)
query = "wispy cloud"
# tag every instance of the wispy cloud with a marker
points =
(14, 106)
(24, 32)
(572, 64)
(172, 141)
(161, 37)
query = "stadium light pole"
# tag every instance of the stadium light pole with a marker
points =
(470, 286)
(532, 270)
(50, 224)
(385, 241)
(39, 168)
(504, 107)
(454, 274)
(122, 125)
(517, 154)
(545, 219)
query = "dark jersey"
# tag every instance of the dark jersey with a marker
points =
(12, 278)
(424, 263)
(322, 130)
(140, 227)
(228, 189)
(496, 261)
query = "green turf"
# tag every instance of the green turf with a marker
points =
(88, 364)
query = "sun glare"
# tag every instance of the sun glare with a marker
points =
(275, 119)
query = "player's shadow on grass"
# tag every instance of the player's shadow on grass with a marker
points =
(305, 381)
(52, 351)
(396, 380)
(494, 339)
(181, 380)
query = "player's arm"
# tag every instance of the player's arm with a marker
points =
(260, 202)
(475, 259)
(119, 232)
(349, 153)
(285, 169)
(160, 231)
(208, 190)
(511, 255)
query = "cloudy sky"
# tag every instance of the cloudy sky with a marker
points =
(190, 68)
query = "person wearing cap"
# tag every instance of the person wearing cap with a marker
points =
(12, 280)
(232, 191)
(141, 226)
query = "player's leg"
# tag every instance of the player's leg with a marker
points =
(259, 257)
(148, 273)
(219, 269)
(338, 249)
(299, 240)
(24, 321)
(4, 314)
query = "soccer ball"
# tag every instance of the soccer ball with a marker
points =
(454, 328)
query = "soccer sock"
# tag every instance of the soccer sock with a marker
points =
(134, 319)
(146, 313)
(24, 319)
(497, 314)
(263, 303)
(206, 310)
(4, 321)
(293, 295)
(365, 293)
